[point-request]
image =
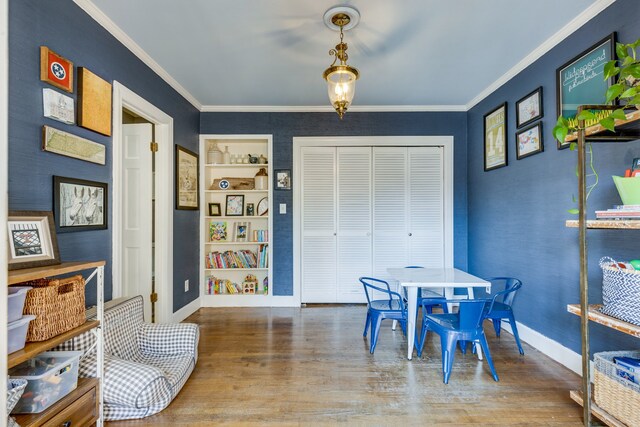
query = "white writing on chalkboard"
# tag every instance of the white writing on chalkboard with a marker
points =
(576, 76)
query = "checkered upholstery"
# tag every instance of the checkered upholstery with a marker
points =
(145, 365)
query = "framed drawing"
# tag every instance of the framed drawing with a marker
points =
(235, 205)
(580, 80)
(218, 231)
(94, 102)
(58, 106)
(283, 179)
(56, 70)
(214, 209)
(529, 141)
(186, 179)
(529, 108)
(32, 239)
(495, 138)
(66, 144)
(79, 205)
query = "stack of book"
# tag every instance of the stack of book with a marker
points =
(620, 212)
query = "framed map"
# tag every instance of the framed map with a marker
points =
(66, 144)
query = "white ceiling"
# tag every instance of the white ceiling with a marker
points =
(234, 54)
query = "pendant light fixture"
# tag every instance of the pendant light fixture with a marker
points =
(341, 78)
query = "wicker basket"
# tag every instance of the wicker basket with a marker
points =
(58, 305)
(620, 291)
(618, 396)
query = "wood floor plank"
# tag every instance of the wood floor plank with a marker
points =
(311, 366)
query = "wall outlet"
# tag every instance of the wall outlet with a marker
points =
(186, 285)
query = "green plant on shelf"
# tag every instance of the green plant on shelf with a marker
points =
(625, 92)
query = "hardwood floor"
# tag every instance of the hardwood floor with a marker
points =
(285, 366)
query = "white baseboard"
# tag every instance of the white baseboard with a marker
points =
(186, 311)
(249, 301)
(548, 347)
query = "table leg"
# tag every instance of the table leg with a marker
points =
(412, 303)
(476, 345)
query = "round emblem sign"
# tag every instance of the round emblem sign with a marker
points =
(58, 70)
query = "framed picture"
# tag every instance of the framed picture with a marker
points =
(56, 70)
(241, 231)
(529, 141)
(235, 205)
(186, 179)
(495, 138)
(529, 108)
(218, 231)
(32, 239)
(94, 102)
(58, 106)
(283, 179)
(580, 80)
(79, 205)
(66, 144)
(215, 209)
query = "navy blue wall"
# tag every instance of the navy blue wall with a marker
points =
(517, 213)
(67, 30)
(284, 126)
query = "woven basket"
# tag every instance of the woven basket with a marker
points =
(58, 305)
(617, 395)
(620, 291)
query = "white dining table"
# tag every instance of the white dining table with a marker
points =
(430, 278)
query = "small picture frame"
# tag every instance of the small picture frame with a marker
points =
(235, 205)
(529, 141)
(186, 179)
(79, 205)
(495, 138)
(218, 231)
(56, 70)
(241, 231)
(215, 209)
(32, 240)
(529, 108)
(251, 211)
(283, 179)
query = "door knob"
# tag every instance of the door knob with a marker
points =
(410, 234)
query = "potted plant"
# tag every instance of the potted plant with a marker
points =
(625, 92)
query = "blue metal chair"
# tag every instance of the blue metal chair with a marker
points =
(391, 307)
(501, 305)
(466, 325)
(428, 299)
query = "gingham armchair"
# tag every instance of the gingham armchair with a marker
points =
(145, 364)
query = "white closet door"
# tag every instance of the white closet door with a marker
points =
(354, 222)
(426, 207)
(390, 217)
(318, 224)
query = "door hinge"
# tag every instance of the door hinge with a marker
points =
(153, 146)
(154, 297)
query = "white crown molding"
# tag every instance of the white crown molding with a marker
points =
(328, 108)
(94, 12)
(545, 47)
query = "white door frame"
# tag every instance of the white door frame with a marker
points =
(4, 204)
(125, 98)
(446, 142)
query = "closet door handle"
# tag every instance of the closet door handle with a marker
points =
(410, 234)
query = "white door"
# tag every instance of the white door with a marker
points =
(425, 206)
(353, 258)
(136, 201)
(390, 216)
(318, 213)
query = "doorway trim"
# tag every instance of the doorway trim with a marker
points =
(4, 183)
(446, 142)
(163, 179)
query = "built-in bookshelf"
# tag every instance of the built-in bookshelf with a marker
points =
(236, 220)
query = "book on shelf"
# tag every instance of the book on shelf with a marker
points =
(243, 258)
(620, 212)
(260, 236)
(218, 286)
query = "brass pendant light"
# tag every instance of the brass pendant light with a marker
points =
(341, 78)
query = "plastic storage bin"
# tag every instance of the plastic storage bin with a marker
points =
(17, 295)
(17, 332)
(50, 375)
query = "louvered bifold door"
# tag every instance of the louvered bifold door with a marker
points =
(390, 228)
(318, 224)
(425, 207)
(354, 222)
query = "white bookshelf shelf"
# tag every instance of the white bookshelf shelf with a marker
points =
(246, 217)
(236, 243)
(237, 165)
(236, 191)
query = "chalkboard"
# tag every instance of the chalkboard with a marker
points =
(581, 80)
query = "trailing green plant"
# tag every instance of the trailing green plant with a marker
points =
(625, 92)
